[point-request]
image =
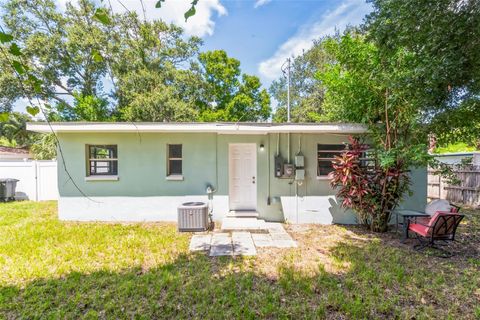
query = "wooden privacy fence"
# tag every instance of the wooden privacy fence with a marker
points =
(467, 192)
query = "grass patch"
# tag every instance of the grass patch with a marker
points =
(54, 269)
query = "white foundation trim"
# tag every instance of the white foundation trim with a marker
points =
(309, 209)
(135, 209)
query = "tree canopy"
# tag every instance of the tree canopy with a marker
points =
(227, 94)
(88, 64)
(410, 70)
(306, 91)
(442, 39)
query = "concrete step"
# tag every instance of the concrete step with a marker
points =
(244, 224)
(242, 214)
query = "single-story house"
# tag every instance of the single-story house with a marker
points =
(458, 157)
(14, 154)
(144, 171)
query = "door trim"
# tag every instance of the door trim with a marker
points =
(230, 176)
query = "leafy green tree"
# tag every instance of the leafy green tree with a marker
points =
(459, 124)
(443, 41)
(306, 91)
(227, 94)
(84, 108)
(57, 49)
(45, 147)
(365, 86)
(151, 65)
(87, 64)
(14, 132)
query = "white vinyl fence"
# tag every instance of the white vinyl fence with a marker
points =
(38, 179)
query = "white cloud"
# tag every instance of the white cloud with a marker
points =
(172, 11)
(259, 3)
(350, 12)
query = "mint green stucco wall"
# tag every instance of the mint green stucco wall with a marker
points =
(142, 168)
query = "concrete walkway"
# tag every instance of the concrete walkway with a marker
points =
(242, 242)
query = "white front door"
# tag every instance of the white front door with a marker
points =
(242, 176)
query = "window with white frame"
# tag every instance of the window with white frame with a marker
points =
(102, 160)
(174, 161)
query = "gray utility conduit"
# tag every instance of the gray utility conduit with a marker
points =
(299, 144)
(288, 148)
(278, 144)
(298, 183)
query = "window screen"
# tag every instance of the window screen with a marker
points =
(174, 159)
(102, 160)
(325, 154)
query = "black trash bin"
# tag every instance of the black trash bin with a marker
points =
(7, 189)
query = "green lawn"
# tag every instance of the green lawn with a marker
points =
(53, 269)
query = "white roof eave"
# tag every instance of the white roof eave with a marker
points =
(73, 127)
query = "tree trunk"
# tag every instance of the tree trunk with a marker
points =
(379, 222)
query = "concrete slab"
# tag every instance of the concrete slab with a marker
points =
(261, 237)
(221, 246)
(221, 234)
(242, 214)
(241, 234)
(200, 242)
(243, 244)
(274, 227)
(262, 240)
(243, 224)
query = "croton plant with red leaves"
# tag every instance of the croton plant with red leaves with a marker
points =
(365, 187)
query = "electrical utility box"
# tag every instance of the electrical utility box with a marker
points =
(299, 161)
(288, 170)
(300, 174)
(299, 167)
(278, 166)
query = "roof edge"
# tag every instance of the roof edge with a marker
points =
(212, 127)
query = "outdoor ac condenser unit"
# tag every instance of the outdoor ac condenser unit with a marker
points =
(193, 216)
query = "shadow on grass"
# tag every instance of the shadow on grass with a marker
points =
(193, 286)
(196, 286)
(465, 248)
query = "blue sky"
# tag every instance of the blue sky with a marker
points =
(253, 34)
(262, 37)
(262, 34)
